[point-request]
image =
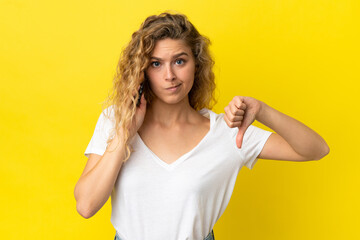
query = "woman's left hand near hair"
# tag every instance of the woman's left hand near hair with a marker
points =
(241, 113)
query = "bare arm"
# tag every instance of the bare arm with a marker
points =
(291, 141)
(98, 178)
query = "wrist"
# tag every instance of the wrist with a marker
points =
(260, 114)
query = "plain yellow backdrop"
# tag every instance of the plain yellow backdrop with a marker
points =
(57, 60)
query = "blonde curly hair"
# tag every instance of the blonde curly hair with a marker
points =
(135, 59)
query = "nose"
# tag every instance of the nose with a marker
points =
(169, 73)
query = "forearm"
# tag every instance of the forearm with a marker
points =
(94, 188)
(301, 138)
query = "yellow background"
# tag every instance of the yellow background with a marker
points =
(57, 60)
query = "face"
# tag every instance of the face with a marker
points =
(171, 71)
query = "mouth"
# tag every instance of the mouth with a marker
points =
(173, 87)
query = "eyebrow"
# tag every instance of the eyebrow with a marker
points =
(175, 56)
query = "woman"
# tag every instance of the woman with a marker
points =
(168, 162)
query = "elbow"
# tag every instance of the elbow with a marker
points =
(323, 153)
(85, 212)
(319, 154)
(83, 208)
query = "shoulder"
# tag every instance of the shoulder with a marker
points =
(211, 114)
(109, 112)
(219, 125)
(108, 115)
(106, 120)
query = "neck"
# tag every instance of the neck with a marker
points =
(169, 114)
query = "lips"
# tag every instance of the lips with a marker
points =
(173, 87)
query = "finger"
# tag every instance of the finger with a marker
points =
(227, 121)
(235, 111)
(236, 118)
(240, 137)
(230, 123)
(128, 101)
(243, 106)
(233, 119)
(238, 101)
(142, 105)
(249, 118)
(227, 111)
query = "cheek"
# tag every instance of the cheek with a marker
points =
(191, 69)
(190, 74)
(150, 76)
(153, 83)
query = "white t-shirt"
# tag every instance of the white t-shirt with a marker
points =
(155, 200)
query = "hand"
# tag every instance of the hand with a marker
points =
(139, 116)
(241, 113)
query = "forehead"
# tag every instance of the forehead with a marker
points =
(168, 47)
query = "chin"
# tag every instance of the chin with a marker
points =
(173, 100)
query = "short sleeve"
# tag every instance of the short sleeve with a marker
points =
(103, 128)
(253, 142)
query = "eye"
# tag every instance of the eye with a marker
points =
(180, 61)
(155, 64)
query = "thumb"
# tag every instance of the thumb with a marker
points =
(240, 136)
(249, 118)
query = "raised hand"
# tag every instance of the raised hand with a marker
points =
(241, 113)
(140, 112)
(139, 116)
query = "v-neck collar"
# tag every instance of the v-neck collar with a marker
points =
(183, 157)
